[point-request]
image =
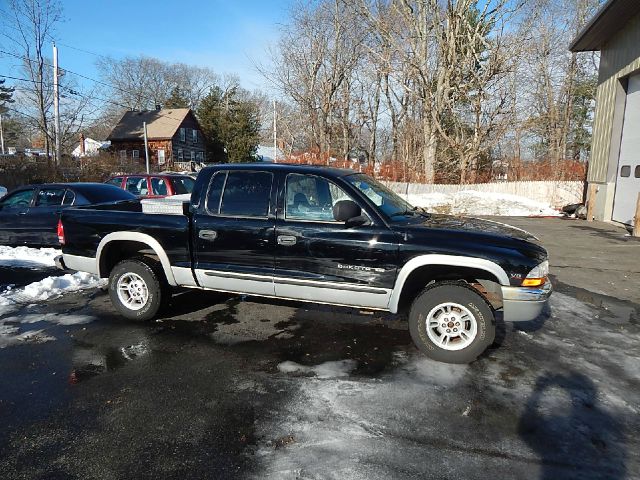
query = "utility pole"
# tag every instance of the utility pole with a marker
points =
(56, 104)
(146, 147)
(275, 134)
(1, 134)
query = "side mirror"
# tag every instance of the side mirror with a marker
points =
(349, 212)
(343, 210)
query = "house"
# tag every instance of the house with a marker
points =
(614, 167)
(88, 147)
(173, 135)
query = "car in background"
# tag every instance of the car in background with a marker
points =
(29, 214)
(154, 185)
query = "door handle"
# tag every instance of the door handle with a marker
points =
(208, 234)
(22, 213)
(286, 240)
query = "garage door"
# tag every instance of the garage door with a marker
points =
(628, 175)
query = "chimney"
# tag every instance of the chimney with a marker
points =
(82, 150)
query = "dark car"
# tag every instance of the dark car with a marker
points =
(29, 214)
(154, 185)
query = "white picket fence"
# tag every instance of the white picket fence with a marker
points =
(555, 193)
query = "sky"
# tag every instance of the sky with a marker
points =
(227, 36)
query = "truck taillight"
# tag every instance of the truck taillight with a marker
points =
(60, 232)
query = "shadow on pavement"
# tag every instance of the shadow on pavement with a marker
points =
(572, 435)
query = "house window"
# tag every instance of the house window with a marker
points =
(135, 154)
(193, 156)
(200, 157)
(194, 135)
(180, 155)
(122, 154)
(161, 156)
(183, 135)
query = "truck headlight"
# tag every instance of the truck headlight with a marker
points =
(537, 276)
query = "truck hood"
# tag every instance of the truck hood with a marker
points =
(474, 225)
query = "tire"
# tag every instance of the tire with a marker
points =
(464, 309)
(138, 289)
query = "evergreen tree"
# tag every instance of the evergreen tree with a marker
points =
(6, 94)
(176, 99)
(230, 124)
(209, 116)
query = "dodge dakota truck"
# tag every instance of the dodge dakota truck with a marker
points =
(315, 234)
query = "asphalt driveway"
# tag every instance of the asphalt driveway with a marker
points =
(233, 387)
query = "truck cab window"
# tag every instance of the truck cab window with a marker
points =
(311, 198)
(246, 194)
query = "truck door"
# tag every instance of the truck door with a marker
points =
(234, 232)
(319, 258)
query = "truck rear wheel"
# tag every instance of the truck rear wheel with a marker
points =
(452, 323)
(138, 289)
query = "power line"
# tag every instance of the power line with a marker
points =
(76, 48)
(71, 72)
(131, 92)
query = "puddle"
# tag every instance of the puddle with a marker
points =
(89, 362)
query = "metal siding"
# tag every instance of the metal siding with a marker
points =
(619, 58)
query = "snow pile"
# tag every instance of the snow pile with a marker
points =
(51, 287)
(26, 257)
(471, 202)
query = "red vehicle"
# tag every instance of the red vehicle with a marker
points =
(155, 185)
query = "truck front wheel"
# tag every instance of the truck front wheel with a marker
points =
(451, 322)
(138, 289)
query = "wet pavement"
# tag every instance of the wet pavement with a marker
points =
(232, 387)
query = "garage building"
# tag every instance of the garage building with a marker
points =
(615, 152)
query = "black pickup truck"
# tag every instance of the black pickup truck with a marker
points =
(319, 235)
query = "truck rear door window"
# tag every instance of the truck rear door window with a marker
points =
(246, 194)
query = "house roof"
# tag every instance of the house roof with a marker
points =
(161, 124)
(608, 21)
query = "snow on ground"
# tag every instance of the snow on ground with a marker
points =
(50, 287)
(27, 257)
(11, 333)
(47, 288)
(472, 202)
(340, 368)
(338, 424)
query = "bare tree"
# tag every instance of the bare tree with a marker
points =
(142, 83)
(31, 24)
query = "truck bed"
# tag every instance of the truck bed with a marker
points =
(86, 227)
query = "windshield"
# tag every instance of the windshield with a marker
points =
(390, 203)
